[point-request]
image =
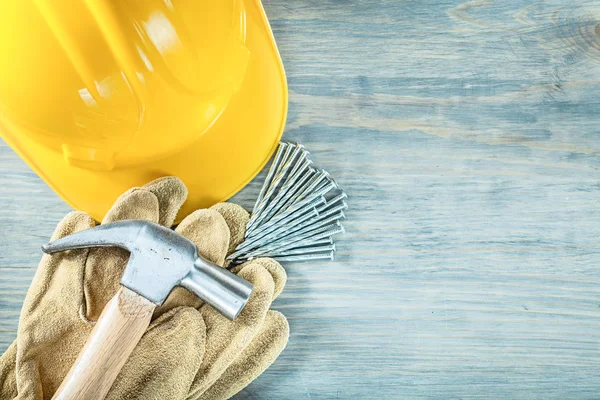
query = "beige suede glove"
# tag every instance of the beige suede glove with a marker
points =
(190, 351)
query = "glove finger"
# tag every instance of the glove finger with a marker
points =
(275, 269)
(168, 194)
(8, 378)
(254, 360)
(208, 230)
(236, 218)
(165, 361)
(73, 222)
(171, 193)
(72, 263)
(226, 339)
(134, 204)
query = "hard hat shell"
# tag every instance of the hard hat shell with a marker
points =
(98, 96)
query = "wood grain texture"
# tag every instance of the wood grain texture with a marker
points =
(120, 327)
(466, 134)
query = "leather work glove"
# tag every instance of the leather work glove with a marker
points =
(190, 351)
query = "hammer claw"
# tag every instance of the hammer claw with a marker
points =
(120, 236)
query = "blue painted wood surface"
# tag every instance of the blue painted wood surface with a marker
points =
(467, 135)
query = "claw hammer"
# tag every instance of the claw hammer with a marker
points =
(160, 259)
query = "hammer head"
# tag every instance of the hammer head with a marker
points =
(160, 260)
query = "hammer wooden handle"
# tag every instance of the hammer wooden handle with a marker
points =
(118, 330)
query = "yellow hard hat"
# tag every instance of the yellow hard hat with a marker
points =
(98, 96)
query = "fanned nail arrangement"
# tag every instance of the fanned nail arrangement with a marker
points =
(297, 212)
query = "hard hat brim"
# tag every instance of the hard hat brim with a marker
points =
(214, 167)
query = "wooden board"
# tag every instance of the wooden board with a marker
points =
(467, 135)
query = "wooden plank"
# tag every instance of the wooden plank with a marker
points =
(466, 135)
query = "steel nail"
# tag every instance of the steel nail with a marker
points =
(303, 156)
(318, 193)
(250, 241)
(332, 201)
(307, 257)
(306, 181)
(279, 174)
(306, 192)
(299, 238)
(309, 185)
(285, 192)
(305, 244)
(305, 250)
(313, 236)
(291, 162)
(288, 215)
(318, 242)
(291, 215)
(284, 202)
(328, 211)
(320, 177)
(325, 181)
(311, 226)
(271, 173)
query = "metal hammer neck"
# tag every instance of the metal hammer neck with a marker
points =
(218, 287)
